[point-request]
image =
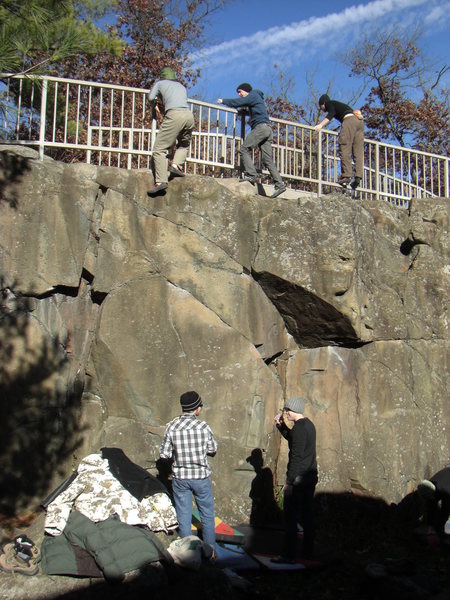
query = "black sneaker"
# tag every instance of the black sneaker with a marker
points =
(278, 191)
(248, 178)
(355, 183)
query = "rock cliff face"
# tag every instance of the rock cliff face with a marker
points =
(114, 304)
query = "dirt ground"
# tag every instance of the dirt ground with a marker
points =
(366, 551)
(369, 551)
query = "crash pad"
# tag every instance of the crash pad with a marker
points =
(235, 557)
(224, 531)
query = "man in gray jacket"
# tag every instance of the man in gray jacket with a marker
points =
(177, 126)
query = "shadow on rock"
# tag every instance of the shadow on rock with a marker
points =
(39, 408)
(12, 169)
(265, 510)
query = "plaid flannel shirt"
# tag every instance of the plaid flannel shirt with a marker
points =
(188, 441)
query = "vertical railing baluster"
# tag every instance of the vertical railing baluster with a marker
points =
(66, 113)
(19, 109)
(78, 114)
(43, 115)
(88, 124)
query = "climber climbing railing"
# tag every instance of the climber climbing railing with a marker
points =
(112, 125)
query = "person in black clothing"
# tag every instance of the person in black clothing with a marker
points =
(436, 493)
(301, 479)
(351, 137)
(260, 135)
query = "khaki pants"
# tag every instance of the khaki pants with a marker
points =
(351, 143)
(176, 127)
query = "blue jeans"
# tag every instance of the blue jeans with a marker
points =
(183, 489)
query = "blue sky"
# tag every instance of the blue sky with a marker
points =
(248, 37)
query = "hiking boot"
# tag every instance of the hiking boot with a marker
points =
(29, 554)
(344, 181)
(157, 189)
(176, 172)
(10, 562)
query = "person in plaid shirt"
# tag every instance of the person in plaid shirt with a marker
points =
(188, 442)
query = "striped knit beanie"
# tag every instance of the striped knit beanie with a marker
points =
(190, 401)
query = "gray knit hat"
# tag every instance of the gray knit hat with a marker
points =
(295, 404)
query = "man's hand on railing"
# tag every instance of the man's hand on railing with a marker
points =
(219, 101)
(318, 127)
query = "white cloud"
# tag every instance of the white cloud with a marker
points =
(294, 40)
(438, 15)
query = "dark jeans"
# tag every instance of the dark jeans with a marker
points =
(298, 507)
(438, 511)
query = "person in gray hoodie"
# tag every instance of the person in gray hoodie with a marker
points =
(260, 135)
(176, 127)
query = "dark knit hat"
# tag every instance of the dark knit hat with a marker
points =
(245, 87)
(324, 98)
(295, 404)
(426, 489)
(190, 401)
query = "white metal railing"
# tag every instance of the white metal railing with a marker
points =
(112, 125)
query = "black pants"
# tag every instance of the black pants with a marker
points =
(298, 507)
(438, 511)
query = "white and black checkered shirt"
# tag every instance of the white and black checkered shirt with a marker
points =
(188, 441)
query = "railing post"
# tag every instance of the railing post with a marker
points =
(377, 171)
(153, 135)
(242, 138)
(43, 117)
(130, 148)
(446, 185)
(89, 142)
(319, 164)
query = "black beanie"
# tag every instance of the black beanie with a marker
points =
(190, 401)
(246, 87)
(324, 99)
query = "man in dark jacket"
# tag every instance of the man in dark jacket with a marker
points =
(351, 137)
(436, 493)
(301, 479)
(260, 135)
